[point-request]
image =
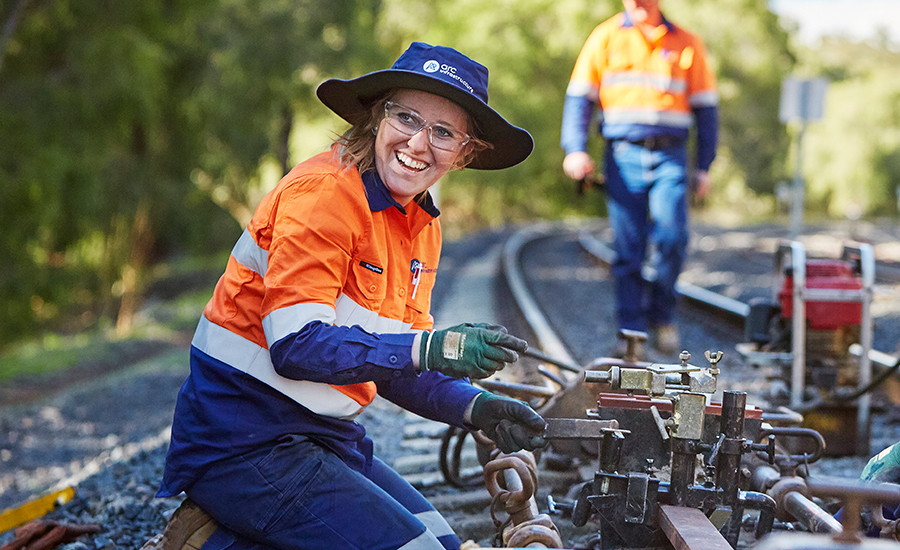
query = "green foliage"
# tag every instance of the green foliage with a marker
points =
(852, 156)
(136, 131)
(751, 57)
(94, 158)
(108, 111)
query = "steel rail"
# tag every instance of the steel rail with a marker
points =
(548, 340)
(695, 293)
(708, 298)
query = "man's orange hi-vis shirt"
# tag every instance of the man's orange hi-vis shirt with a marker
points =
(643, 81)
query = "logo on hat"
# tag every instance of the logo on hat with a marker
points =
(431, 66)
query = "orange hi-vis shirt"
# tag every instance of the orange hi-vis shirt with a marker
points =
(640, 81)
(316, 251)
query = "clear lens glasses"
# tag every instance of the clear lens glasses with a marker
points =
(409, 122)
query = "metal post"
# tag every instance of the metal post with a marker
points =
(863, 427)
(728, 474)
(728, 466)
(682, 471)
(798, 325)
(798, 197)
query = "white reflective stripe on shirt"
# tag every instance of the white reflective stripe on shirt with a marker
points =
(643, 116)
(646, 79)
(435, 522)
(288, 320)
(349, 313)
(250, 255)
(245, 356)
(583, 89)
(705, 99)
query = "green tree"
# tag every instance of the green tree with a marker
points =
(132, 131)
(853, 153)
(262, 62)
(108, 110)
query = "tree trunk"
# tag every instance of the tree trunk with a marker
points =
(284, 138)
(134, 271)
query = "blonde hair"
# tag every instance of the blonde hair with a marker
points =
(358, 142)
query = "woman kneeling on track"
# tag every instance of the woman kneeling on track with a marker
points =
(324, 303)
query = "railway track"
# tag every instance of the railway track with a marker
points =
(553, 290)
(713, 321)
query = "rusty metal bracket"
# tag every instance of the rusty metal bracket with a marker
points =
(579, 428)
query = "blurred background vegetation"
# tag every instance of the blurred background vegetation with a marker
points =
(137, 137)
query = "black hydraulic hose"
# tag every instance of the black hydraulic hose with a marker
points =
(450, 465)
(537, 354)
(872, 385)
(877, 381)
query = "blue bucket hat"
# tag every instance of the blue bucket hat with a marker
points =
(441, 71)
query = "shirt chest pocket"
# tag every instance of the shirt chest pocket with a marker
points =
(369, 280)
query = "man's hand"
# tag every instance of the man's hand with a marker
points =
(704, 183)
(578, 165)
(469, 350)
(510, 423)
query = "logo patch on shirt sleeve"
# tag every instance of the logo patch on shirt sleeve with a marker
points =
(372, 267)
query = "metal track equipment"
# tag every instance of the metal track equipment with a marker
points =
(647, 491)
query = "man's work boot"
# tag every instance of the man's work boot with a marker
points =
(666, 339)
(188, 528)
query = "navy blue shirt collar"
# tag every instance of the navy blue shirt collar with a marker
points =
(629, 23)
(380, 198)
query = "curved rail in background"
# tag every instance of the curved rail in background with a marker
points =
(548, 339)
(707, 298)
(552, 344)
(698, 294)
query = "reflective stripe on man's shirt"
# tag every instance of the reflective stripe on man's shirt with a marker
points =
(649, 117)
(645, 79)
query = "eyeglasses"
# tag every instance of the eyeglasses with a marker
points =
(409, 122)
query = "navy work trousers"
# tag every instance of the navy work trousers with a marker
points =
(646, 200)
(298, 495)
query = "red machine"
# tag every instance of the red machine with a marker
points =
(822, 308)
(826, 275)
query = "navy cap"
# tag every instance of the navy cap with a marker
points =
(441, 71)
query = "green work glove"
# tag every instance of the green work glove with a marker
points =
(883, 467)
(469, 350)
(510, 423)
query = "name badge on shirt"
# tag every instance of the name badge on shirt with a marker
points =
(372, 267)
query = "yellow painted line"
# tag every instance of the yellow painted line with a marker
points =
(33, 509)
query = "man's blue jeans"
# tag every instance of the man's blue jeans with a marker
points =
(646, 200)
(298, 495)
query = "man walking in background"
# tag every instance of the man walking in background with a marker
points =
(651, 81)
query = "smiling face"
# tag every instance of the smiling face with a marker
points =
(643, 11)
(409, 165)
